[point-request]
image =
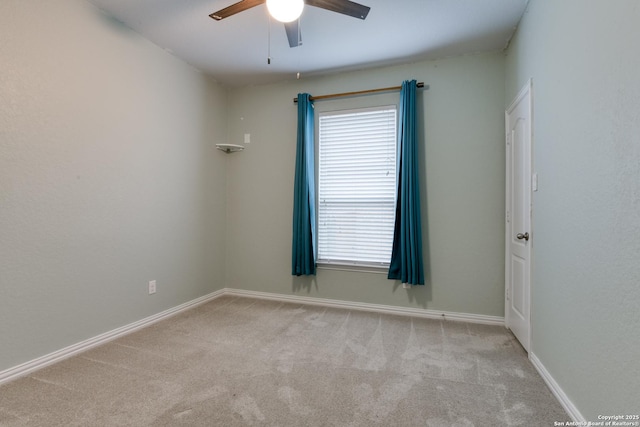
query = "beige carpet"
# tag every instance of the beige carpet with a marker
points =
(241, 361)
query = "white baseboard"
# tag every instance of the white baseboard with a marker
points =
(378, 308)
(557, 391)
(59, 355)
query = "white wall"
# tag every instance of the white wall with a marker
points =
(108, 177)
(584, 61)
(462, 115)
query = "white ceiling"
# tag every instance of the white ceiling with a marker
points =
(235, 50)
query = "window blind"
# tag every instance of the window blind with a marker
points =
(356, 186)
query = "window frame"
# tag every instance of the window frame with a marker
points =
(346, 265)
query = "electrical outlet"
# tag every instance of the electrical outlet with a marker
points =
(152, 287)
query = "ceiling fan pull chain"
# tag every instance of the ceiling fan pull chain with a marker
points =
(269, 43)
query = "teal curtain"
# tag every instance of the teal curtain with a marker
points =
(303, 259)
(406, 260)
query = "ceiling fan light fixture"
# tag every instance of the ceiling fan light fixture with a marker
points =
(285, 10)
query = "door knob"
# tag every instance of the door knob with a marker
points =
(524, 236)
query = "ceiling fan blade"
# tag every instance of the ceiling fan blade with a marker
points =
(345, 7)
(293, 33)
(236, 8)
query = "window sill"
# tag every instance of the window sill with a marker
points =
(358, 268)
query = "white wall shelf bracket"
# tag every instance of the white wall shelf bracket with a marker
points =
(229, 148)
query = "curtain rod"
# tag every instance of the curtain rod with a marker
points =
(362, 92)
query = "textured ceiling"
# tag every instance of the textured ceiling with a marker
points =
(235, 50)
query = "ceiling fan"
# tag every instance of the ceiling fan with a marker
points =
(345, 7)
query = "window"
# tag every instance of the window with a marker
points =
(356, 186)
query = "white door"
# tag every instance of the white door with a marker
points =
(518, 216)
